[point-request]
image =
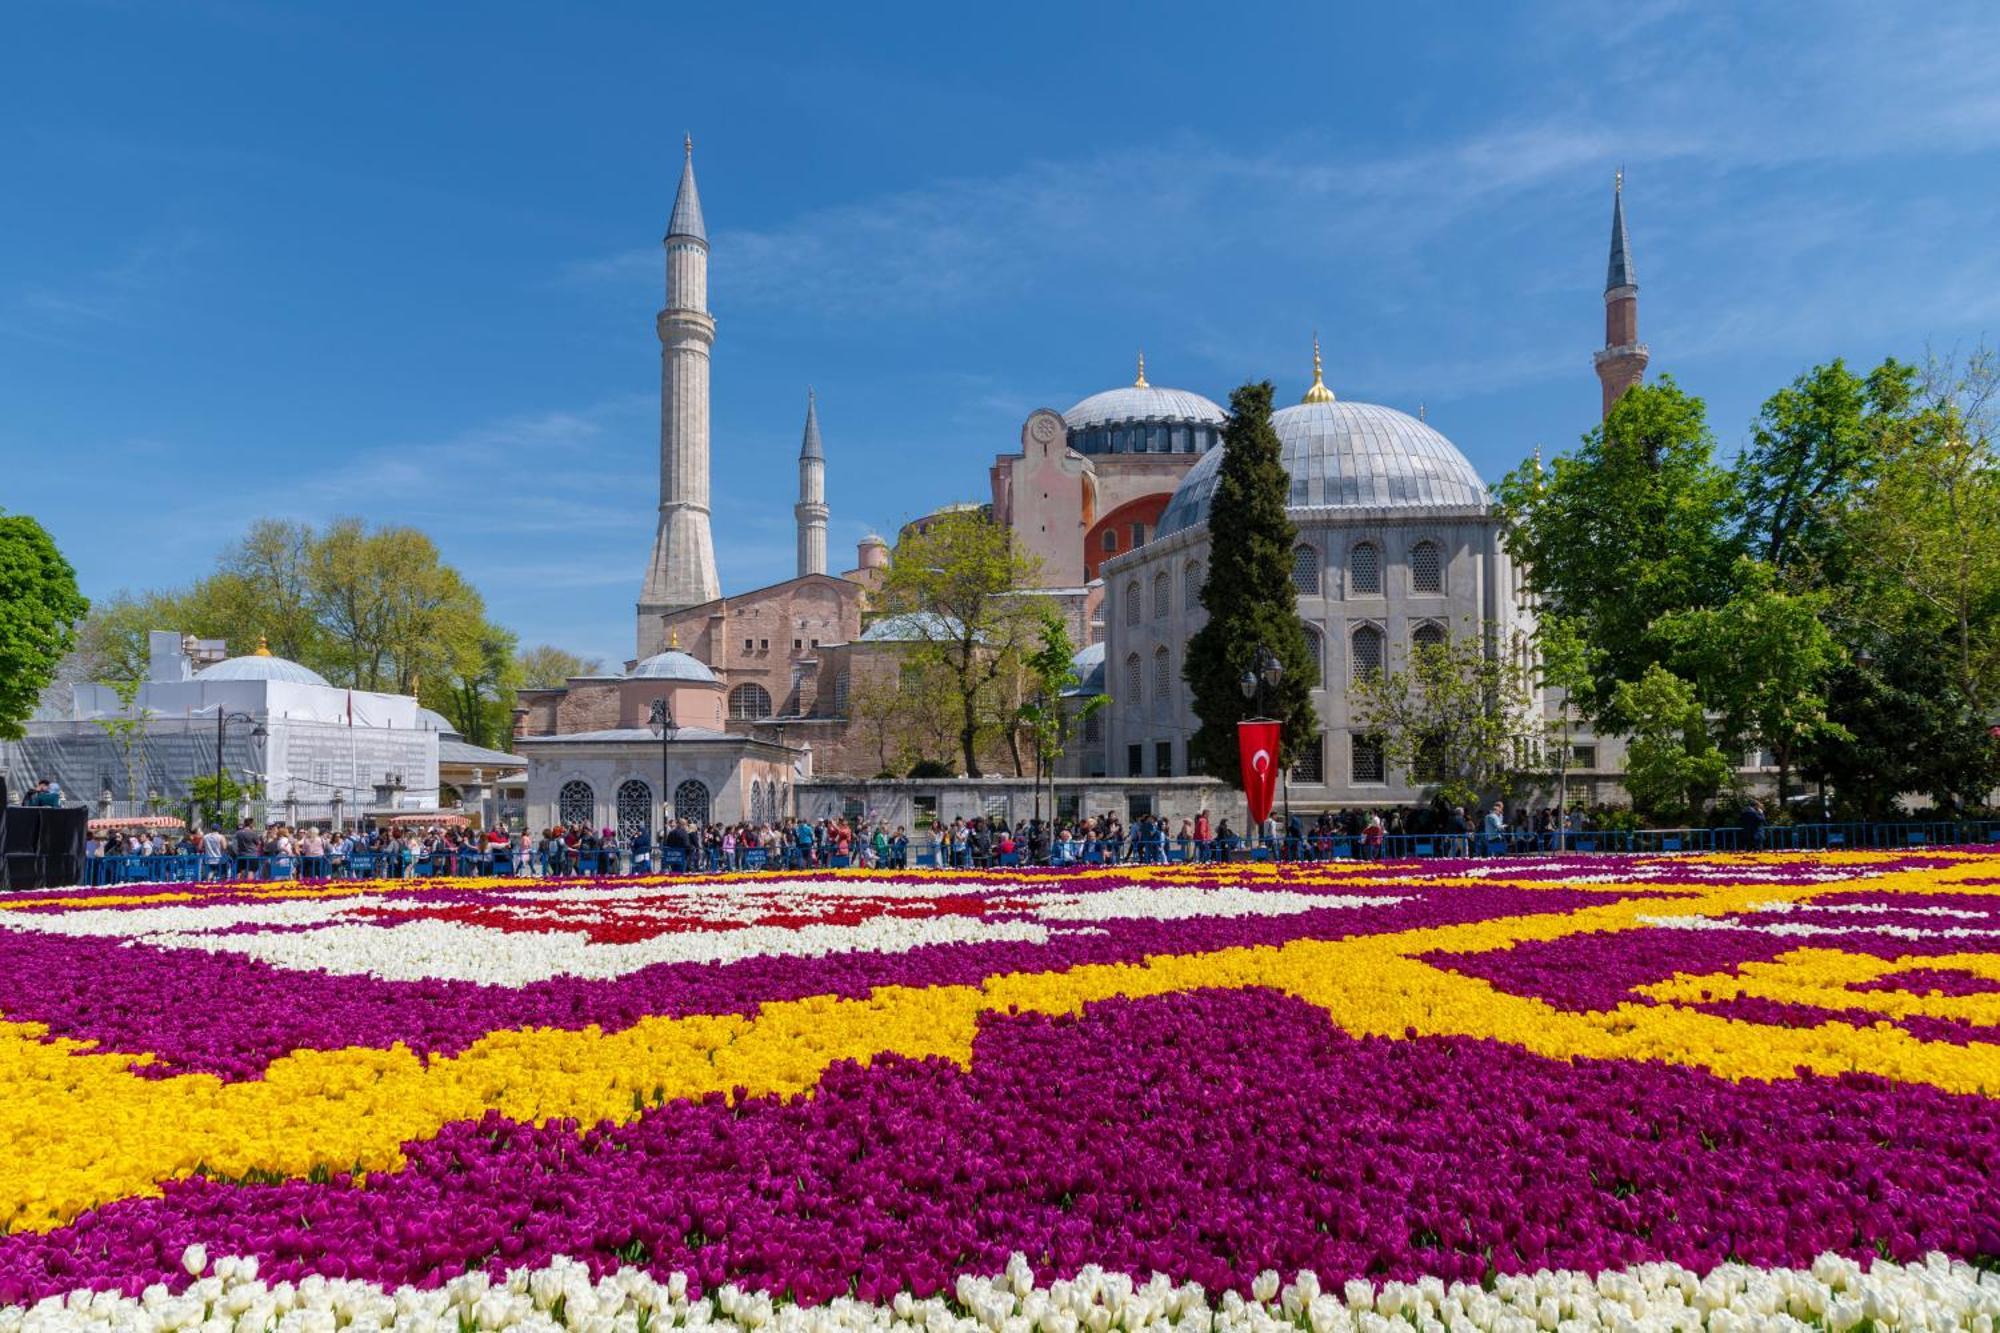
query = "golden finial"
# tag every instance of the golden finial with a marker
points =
(1140, 383)
(1618, 181)
(263, 646)
(1538, 460)
(674, 639)
(687, 144)
(1420, 411)
(1319, 393)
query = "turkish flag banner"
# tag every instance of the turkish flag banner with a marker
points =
(1257, 749)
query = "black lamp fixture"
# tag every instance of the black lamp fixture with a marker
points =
(661, 720)
(1260, 682)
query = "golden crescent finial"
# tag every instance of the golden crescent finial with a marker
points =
(263, 646)
(1140, 383)
(1318, 393)
(674, 639)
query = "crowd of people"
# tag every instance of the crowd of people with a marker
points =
(385, 851)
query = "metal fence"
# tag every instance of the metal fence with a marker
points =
(932, 854)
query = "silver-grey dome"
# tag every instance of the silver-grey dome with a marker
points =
(671, 665)
(1142, 402)
(261, 666)
(1346, 454)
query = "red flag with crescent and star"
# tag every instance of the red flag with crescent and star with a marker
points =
(1257, 749)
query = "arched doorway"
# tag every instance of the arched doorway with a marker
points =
(691, 801)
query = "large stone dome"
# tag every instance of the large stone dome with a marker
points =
(1346, 455)
(1142, 402)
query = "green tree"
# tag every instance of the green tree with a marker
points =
(217, 797)
(1672, 768)
(1249, 595)
(1456, 718)
(1564, 666)
(126, 730)
(477, 690)
(1760, 663)
(1048, 714)
(264, 584)
(1636, 524)
(960, 584)
(546, 666)
(39, 611)
(1927, 532)
(1814, 449)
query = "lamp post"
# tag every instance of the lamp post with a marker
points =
(1260, 685)
(661, 719)
(223, 717)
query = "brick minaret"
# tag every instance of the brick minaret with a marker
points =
(1622, 362)
(682, 570)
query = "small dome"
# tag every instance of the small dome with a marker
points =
(1088, 663)
(672, 665)
(1142, 402)
(261, 666)
(1342, 454)
(432, 720)
(911, 627)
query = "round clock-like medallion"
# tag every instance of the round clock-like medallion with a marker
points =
(1044, 429)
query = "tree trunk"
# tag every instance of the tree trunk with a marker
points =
(968, 733)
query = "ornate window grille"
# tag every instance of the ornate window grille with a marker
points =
(576, 803)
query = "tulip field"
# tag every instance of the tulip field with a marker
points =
(1727, 1091)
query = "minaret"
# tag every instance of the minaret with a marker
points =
(811, 508)
(682, 572)
(1622, 362)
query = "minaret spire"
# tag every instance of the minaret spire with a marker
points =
(682, 570)
(1140, 383)
(811, 510)
(1622, 361)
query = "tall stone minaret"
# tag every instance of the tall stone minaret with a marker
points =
(1622, 362)
(682, 572)
(811, 508)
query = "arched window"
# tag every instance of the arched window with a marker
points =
(1316, 649)
(840, 688)
(1191, 586)
(1132, 602)
(1163, 595)
(757, 815)
(1364, 570)
(1093, 727)
(635, 810)
(1132, 678)
(749, 700)
(1365, 761)
(1305, 567)
(576, 803)
(1430, 634)
(1367, 652)
(691, 801)
(1426, 568)
(1163, 675)
(1109, 541)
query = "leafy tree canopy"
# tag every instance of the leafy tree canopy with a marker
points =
(39, 609)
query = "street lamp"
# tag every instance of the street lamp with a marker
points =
(223, 717)
(1260, 681)
(661, 719)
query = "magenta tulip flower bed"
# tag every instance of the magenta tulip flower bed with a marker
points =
(1738, 1087)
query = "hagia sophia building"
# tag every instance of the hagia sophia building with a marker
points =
(1398, 543)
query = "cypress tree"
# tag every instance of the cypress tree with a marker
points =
(1248, 594)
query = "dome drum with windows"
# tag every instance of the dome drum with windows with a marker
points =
(1141, 418)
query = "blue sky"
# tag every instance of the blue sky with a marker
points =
(402, 261)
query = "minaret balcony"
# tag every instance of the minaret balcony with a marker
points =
(1622, 352)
